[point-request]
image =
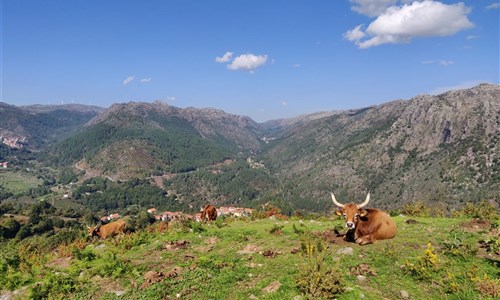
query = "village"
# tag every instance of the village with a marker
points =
(167, 216)
(13, 141)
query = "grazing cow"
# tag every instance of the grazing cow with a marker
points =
(209, 213)
(103, 231)
(365, 226)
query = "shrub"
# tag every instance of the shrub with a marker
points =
(196, 227)
(488, 287)
(416, 209)
(53, 286)
(456, 247)
(491, 244)
(317, 278)
(220, 222)
(9, 228)
(84, 255)
(135, 239)
(112, 266)
(424, 266)
(277, 229)
(482, 210)
(297, 230)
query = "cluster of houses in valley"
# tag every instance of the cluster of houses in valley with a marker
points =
(178, 215)
(13, 142)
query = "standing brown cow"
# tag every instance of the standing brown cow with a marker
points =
(367, 225)
(209, 213)
(103, 231)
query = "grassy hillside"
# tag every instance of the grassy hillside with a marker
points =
(430, 258)
(17, 183)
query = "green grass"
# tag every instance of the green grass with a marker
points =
(17, 182)
(209, 265)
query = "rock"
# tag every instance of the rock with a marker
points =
(362, 269)
(404, 294)
(100, 246)
(273, 287)
(345, 251)
(249, 249)
(361, 277)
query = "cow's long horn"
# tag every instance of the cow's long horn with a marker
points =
(335, 201)
(366, 201)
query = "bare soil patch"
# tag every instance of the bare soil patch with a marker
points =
(476, 225)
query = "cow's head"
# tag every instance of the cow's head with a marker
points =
(93, 230)
(352, 212)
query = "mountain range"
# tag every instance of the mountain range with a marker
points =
(441, 150)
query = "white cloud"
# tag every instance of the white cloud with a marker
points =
(400, 24)
(145, 80)
(493, 6)
(171, 98)
(371, 7)
(446, 62)
(354, 34)
(128, 80)
(471, 37)
(284, 103)
(225, 58)
(296, 65)
(439, 62)
(247, 62)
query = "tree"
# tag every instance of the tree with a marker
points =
(9, 228)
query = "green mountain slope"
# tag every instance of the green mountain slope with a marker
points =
(137, 140)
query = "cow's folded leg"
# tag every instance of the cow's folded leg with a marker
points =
(367, 239)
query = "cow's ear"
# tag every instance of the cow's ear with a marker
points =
(339, 212)
(363, 212)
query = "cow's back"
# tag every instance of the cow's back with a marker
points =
(112, 228)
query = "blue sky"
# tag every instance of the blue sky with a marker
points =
(265, 59)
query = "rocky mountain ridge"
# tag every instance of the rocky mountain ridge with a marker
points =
(431, 148)
(437, 149)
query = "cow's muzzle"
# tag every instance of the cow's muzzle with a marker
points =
(350, 225)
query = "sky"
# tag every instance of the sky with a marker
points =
(266, 59)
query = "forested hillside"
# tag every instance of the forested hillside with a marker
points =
(35, 126)
(440, 150)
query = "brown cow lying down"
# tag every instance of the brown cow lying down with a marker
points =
(110, 229)
(209, 213)
(366, 225)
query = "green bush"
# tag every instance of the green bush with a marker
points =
(458, 247)
(416, 209)
(424, 266)
(112, 266)
(84, 255)
(54, 286)
(482, 210)
(317, 278)
(276, 229)
(9, 228)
